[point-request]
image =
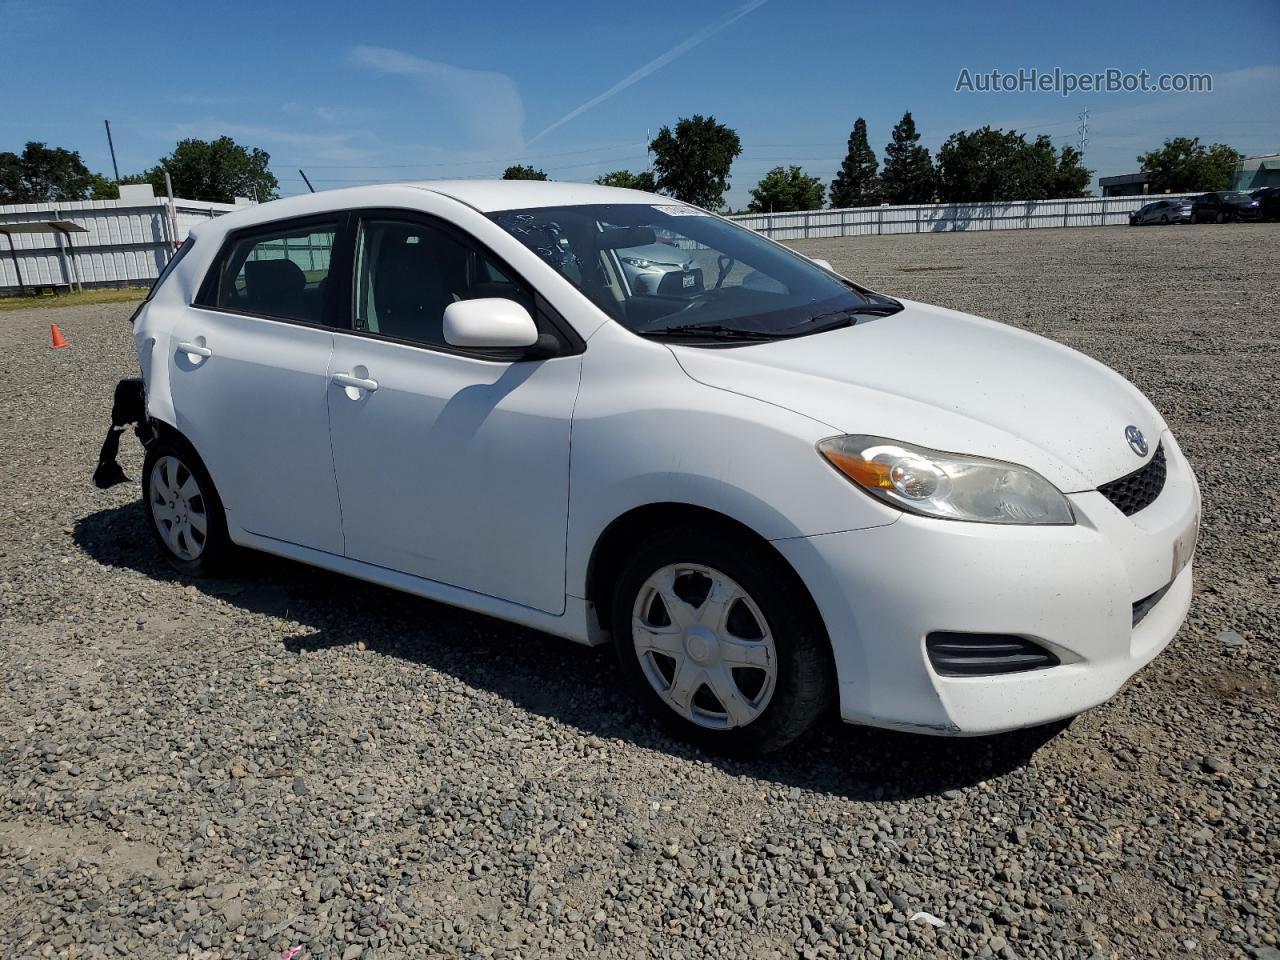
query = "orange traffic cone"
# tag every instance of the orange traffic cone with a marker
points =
(59, 341)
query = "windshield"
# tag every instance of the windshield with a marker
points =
(667, 269)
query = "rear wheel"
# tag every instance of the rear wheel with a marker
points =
(720, 642)
(1220, 218)
(183, 508)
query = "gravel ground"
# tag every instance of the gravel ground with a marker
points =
(287, 757)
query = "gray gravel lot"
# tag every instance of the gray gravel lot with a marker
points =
(287, 757)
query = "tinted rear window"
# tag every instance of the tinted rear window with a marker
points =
(187, 244)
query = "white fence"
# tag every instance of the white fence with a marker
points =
(128, 241)
(945, 217)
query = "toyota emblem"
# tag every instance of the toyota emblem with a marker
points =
(1137, 442)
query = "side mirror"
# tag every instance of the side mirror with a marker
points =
(489, 322)
(824, 264)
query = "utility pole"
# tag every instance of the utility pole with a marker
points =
(1083, 130)
(172, 212)
(112, 147)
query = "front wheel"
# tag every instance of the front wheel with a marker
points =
(721, 643)
(1164, 219)
(183, 509)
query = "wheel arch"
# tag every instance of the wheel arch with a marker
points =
(610, 550)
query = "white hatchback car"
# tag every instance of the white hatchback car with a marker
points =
(772, 488)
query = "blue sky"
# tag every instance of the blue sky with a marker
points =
(413, 90)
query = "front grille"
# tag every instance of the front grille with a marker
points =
(1139, 489)
(1147, 604)
(984, 654)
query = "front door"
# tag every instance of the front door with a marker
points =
(451, 465)
(248, 371)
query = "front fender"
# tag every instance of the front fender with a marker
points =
(644, 433)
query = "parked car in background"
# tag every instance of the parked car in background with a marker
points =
(1162, 211)
(785, 493)
(658, 267)
(1224, 206)
(1268, 203)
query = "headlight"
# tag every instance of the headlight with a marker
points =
(639, 262)
(947, 485)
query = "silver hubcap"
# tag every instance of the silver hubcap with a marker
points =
(704, 646)
(178, 508)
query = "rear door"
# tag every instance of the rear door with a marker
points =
(453, 465)
(248, 371)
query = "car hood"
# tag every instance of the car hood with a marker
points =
(950, 381)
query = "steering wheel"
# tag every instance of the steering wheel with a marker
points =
(696, 302)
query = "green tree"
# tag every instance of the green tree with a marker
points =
(975, 166)
(908, 175)
(631, 181)
(218, 170)
(520, 172)
(43, 174)
(102, 187)
(785, 189)
(1185, 165)
(857, 184)
(693, 162)
(1071, 179)
(12, 189)
(987, 165)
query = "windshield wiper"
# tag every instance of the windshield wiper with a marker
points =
(708, 331)
(844, 317)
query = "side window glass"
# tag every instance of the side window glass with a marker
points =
(172, 265)
(281, 274)
(407, 274)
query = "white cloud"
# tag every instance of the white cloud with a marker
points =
(705, 33)
(485, 104)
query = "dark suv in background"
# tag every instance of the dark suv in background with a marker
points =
(1224, 205)
(1268, 203)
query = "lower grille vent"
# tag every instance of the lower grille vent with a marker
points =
(985, 654)
(1147, 604)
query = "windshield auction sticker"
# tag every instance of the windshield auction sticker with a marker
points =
(674, 210)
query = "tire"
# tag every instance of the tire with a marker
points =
(1221, 217)
(1164, 219)
(179, 496)
(784, 678)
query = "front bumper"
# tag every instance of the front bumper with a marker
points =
(1072, 589)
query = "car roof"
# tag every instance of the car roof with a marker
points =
(490, 195)
(485, 196)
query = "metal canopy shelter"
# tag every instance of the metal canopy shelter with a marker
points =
(63, 228)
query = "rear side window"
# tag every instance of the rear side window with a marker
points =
(169, 267)
(282, 274)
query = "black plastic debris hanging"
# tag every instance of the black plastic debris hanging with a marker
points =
(127, 407)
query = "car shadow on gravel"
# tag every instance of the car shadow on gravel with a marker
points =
(555, 678)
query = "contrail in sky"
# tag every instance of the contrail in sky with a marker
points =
(705, 33)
